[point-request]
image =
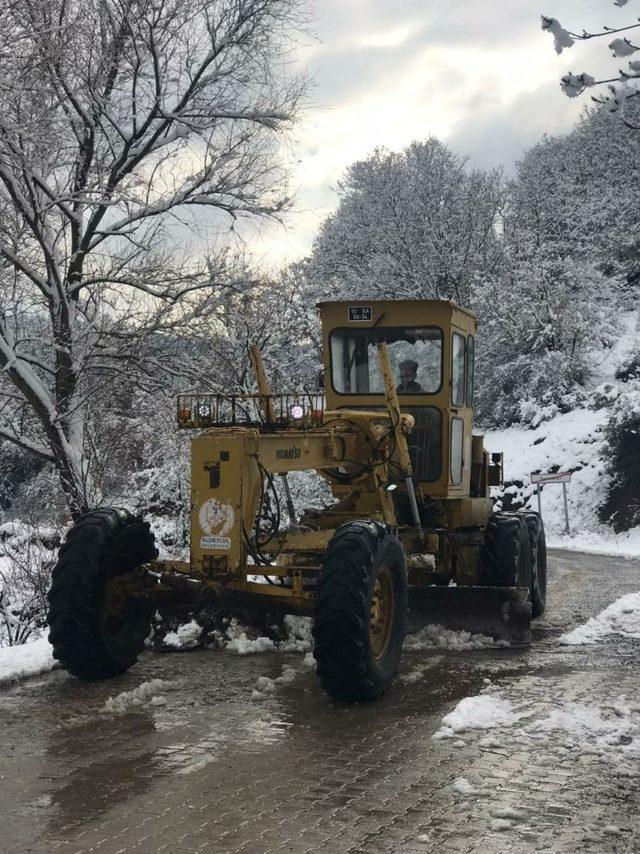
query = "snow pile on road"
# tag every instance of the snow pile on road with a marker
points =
(464, 788)
(622, 617)
(437, 637)
(240, 643)
(266, 687)
(299, 637)
(186, 636)
(29, 659)
(148, 693)
(238, 638)
(484, 711)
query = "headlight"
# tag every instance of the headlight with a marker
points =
(204, 410)
(296, 411)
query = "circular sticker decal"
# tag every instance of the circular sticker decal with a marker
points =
(216, 519)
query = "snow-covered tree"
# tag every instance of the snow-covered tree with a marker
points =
(116, 118)
(541, 320)
(409, 224)
(275, 316)
(577, 195)
(621, 87)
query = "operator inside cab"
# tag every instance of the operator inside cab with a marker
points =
(408, 383)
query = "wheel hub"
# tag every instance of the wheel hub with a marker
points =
(381, 615)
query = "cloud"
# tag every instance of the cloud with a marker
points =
(482, 77)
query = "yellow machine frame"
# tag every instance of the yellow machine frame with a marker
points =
(358, 443)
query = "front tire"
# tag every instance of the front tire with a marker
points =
(360, 612)
(93, 635)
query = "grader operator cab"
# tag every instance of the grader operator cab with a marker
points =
(410, 538)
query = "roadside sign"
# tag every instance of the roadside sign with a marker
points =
(563, 477)
(554, 477)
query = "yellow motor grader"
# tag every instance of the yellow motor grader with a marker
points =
(410, 538)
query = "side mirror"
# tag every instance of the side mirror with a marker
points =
(321, 379)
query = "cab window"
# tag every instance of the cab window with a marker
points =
(457, 370)
(457, 435)
(470, 369)
(415, 355)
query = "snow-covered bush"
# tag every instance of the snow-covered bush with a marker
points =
(630, 369)
(27, 556)
(622, 506)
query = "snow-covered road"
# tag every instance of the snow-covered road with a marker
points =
(484, 750)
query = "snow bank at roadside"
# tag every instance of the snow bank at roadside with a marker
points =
(29, 659)
(622, 617)
(573, 441)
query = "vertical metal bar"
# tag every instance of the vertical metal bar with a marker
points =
(263, 384)
(566, 507)
(290, 507)
(540, 500)
(402, 449)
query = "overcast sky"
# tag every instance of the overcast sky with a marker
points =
(478, 74)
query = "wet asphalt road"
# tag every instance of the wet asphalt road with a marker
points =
(201, 767)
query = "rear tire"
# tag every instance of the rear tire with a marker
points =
(360, 612)
(506, 553)
(90, 639)
(538, 563)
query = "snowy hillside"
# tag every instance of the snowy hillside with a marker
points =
(572, 441)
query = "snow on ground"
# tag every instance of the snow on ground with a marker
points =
(622, 617)
(29, 659)
(437, 637)
(299, 637)
(463, 787)
(266, 687)
(610, 732)
(244, 645)
(574, 441)
(571, 441)
(148, 693)
(484, 711)
(604, 369)
(186, 636)
(238, 638)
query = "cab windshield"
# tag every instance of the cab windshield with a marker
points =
(415, 356)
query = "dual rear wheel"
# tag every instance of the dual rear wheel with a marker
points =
(515, 555)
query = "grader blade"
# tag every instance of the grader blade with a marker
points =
(502, 613)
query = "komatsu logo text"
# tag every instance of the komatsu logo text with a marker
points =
(288, 453)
